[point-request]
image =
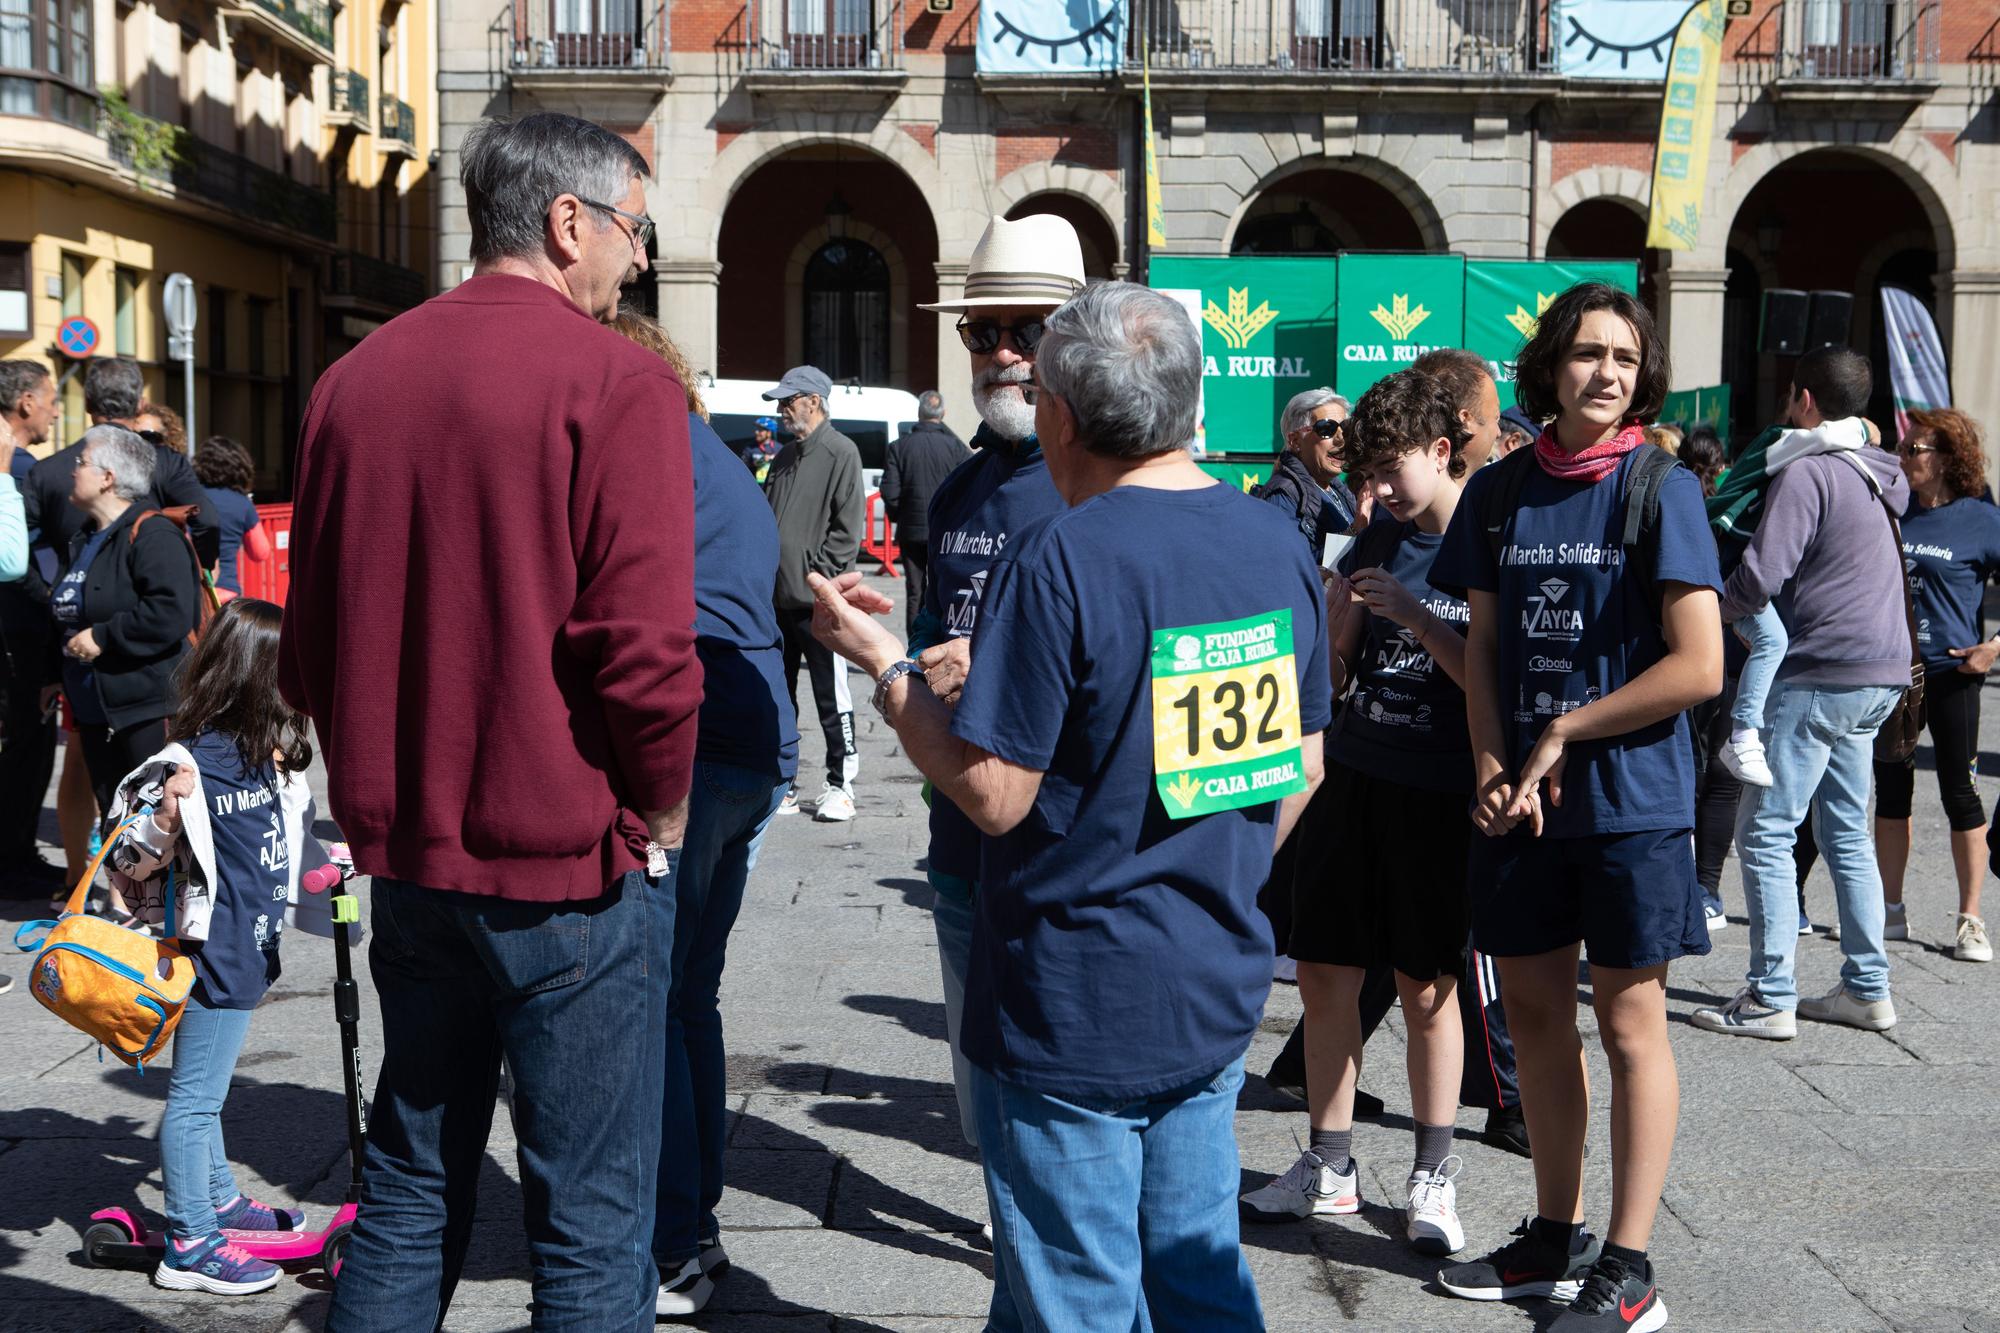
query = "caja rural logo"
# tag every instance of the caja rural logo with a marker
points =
(1238, 325)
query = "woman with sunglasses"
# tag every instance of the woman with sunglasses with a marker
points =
(1951, 548)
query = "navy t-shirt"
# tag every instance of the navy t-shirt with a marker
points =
(1119, 951)
(746, 719)
(985, 502)
(1406, 718)
(238, 961)
(235, 514)
(1950, 553)
(1574, 627)
(71, 616)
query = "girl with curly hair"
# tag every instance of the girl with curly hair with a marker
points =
(226, 473)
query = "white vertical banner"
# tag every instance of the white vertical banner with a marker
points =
(1189, 299)
(1917, 375)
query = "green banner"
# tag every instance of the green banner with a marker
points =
(1393, 309)
(1266, 334)
(1689, 407)
(1504, 298)
(1240, 473)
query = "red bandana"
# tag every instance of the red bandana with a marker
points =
(1593, 464)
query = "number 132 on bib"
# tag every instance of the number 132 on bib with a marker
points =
(1226, 730)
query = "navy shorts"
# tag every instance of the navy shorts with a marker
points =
(1631, 898)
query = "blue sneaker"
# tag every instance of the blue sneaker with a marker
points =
(214, 1265)
(1712, 909)
(246, 1214)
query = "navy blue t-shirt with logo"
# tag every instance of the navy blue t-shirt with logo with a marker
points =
(66, 605)
(1119, 951)
(1950, 553)
(985, 502)
(238, 961)
(1405, 720)
(1575, 625)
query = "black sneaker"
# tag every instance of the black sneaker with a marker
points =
(1614, 1299)
(1523, 1267)
(1507, 1130)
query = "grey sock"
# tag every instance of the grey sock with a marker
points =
(1433, 1144)
(1333, 1147)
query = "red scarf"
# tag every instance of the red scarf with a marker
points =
(1593, 464)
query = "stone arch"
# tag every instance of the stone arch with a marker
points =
(752, 150)
(1910, 157)
(899, 292)
(1629, 187)
(1423, 212)
(1093, 187)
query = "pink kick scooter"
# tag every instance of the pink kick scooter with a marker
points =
(117, 1239)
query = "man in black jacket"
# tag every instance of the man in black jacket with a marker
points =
(917, 463)
(112, 390)
(27, 737)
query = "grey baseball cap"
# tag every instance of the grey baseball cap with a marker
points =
(801, 379)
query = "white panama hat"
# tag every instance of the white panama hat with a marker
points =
(1035, 261)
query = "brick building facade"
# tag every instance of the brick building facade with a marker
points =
(822, 166)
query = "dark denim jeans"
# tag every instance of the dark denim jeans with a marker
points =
(574, 995)
(728, 810)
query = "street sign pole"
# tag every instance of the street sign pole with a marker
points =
(180, 311)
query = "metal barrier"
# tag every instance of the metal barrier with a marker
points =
(1494, 37)
(883, 548)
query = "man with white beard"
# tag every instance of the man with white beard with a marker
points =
(1020, 271)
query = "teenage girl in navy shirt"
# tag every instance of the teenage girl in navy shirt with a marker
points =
(1579, 673)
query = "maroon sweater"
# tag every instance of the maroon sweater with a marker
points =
(491, 619)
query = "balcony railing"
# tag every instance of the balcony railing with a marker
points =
(348, 95)
(376, 281)
(1372, 37)
(312, 18)
(1895, 41)
(398, 123)
(804, 36)
(162, 152)
(590, 35)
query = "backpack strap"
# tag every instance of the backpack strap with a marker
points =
(1499, 501)
(1641, 538)
(210, 601)
(1902, 574)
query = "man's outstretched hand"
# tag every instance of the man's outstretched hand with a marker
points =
(844, 611)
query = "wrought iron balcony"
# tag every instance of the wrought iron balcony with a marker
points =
(1462, 38)
(348, 99)
(607, 36)
(168, 154)
(823, 36)
(311, 19)
(397, 128)
(375, 282)
(1850, 46)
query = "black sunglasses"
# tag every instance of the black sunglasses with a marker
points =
(151, 436)
(1327, 428)
(983, 335)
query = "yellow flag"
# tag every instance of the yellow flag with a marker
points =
(1156, 218)
(1687, 119)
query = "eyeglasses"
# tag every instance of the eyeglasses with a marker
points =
(1329, 429)
(642, 233)
(983, 335)
(1031, 393)
(152, 436)
(1911, 448)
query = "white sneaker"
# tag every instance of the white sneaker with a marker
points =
(1747, 1016)
(714, 1260)
(836, 806)
(1717, 918)
(1837, 1006)
(1311, 1188)
(1973, 946)
(1896, 921)
(685, 1292)
(1744, 757)
(1432, 1213)
(790, 804)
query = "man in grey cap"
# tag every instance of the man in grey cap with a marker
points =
(815, 490)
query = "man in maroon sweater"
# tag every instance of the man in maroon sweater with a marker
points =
(491, 623)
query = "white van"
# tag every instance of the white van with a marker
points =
(869, 417)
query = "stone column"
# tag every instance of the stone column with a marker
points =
(1969, 325)
(954, 367)
(1691, 323)
(688, 290)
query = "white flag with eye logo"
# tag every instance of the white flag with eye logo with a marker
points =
(1051, 37)
(1615, 39)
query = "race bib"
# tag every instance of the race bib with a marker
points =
(1226, 715)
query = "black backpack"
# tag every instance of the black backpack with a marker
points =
(1641, 537)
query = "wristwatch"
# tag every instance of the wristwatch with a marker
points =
(896, 671)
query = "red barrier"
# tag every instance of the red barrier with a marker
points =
(270, 579)
(883, 548)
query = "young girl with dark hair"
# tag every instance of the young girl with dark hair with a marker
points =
(1381, 876)
(218, 824)
(1579, 669)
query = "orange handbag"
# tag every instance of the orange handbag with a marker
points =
(122, 987)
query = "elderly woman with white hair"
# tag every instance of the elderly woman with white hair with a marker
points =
(125, 609)
(1305, 482)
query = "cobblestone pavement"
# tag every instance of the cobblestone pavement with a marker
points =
(1840, 1181)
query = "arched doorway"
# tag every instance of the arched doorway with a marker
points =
(826, 251)
(1780, 238)
(1094, 235)
(1324, 210)
(1607, 228)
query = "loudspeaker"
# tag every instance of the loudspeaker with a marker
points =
(1783, 331)
(1831, 318)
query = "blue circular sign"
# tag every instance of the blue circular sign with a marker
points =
(77, 337)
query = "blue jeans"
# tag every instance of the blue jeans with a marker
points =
(952, 914)
(574, 995)
(1114, 1218)
(1821, 749)
(1767, 638)
(728, 810)
(193, 1165)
